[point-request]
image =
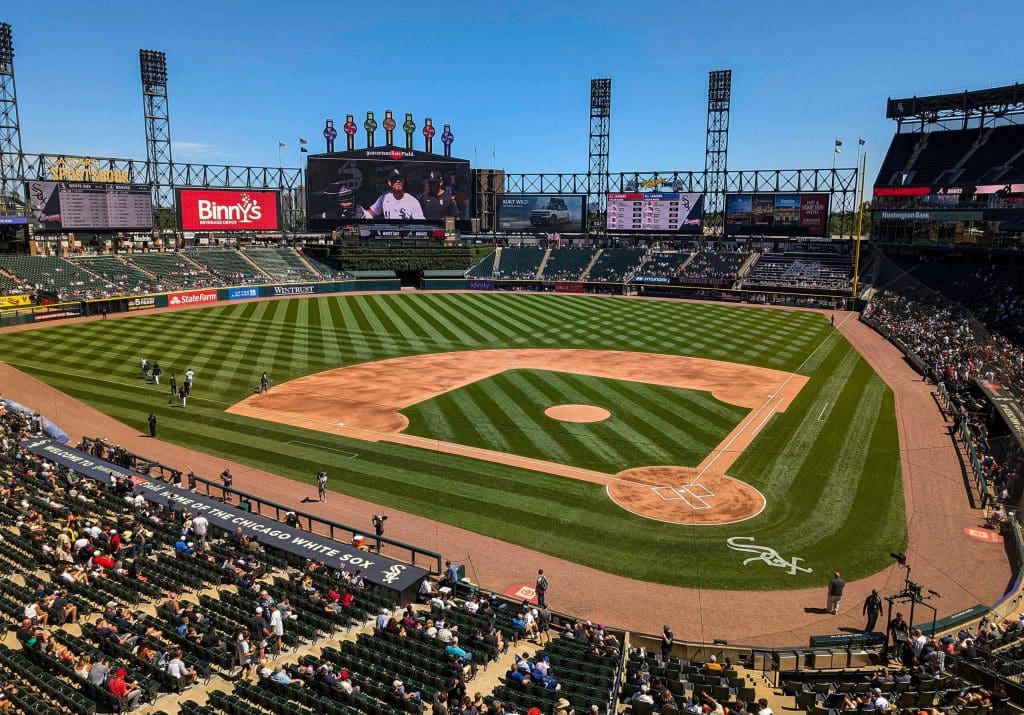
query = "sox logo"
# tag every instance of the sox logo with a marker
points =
(393, 573)
(766, 554)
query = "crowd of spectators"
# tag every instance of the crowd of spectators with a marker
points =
(954, 352)
(952, 347)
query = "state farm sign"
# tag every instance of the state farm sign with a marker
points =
(192, 297)
(228, 210)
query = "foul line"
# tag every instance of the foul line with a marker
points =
(823, 411)
(725, 448)
(351, 455)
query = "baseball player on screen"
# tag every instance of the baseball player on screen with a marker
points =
(396, 204)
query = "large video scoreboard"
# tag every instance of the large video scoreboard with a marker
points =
(61, 206)
(656, 212)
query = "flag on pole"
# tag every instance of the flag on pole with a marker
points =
(281, 145)
(303, 150)
(301, 140)
(839, 142)
(838, 150)
(861, 142)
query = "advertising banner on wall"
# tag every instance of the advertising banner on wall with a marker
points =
(14, 301)
(777, 214)
(143, 302)
(192, 297)
(228, 210)
(243, 293)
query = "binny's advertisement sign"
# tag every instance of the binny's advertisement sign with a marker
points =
(228, 210)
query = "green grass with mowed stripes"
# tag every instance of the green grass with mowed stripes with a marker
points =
(829, 466)
(649, 424)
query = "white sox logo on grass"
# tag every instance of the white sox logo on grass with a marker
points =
(764, 553)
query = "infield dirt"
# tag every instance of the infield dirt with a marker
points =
(364, 401)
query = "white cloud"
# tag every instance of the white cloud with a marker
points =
(194, 148)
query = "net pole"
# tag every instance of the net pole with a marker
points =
(860, 223)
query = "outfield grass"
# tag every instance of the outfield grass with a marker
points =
(649, 424)
(829, 466)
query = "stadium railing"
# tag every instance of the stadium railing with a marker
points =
(424, 558)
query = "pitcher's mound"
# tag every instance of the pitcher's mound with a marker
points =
(670, 494)
(577, 413)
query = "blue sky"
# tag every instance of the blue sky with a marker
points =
(513, 81)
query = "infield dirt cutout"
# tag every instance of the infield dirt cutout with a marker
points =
(577, 413)
(363, 402)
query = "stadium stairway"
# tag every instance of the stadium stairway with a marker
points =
(748, 265)
(307, 264)
(259, 271)
(497, 260)
(586, 271)
(543, 263)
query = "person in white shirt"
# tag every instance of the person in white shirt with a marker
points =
(276, 626)
(396, 204)
(472, 605)
(200, 525)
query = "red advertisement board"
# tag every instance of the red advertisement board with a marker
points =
(192, 297)
(228, 210)
(813, 213)
(568, 287)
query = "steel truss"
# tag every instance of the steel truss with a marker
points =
(840, 183)
(10, 129)
(716, 147)
(600, 144)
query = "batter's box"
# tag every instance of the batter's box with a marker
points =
(697, 489)
(683, 494)
(667, 493)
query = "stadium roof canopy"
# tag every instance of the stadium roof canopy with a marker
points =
(994, 102)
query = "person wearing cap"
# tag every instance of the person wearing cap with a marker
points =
(713, 666)
(438, 203)
(872, 609)
(259, 631)
(396, 204)
(128, 693)
(338, 202)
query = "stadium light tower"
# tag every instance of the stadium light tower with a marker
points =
(716, 148)
(11, 159)
(153, 68)
(600, 139)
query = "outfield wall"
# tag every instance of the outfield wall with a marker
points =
(190, 298)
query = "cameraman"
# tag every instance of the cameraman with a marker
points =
(378, 527)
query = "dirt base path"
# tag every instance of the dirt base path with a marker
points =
(965, 572)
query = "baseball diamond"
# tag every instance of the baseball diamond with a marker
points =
(824, 486)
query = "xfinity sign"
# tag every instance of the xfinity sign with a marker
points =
(228, 210)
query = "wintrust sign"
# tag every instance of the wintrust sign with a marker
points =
(192, 297)
(228, 210)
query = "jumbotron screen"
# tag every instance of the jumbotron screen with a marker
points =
(656, 212)
(60, 206)
(357, 187)
(562, 213)
(777, 214)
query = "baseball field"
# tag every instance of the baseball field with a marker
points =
(680, 443)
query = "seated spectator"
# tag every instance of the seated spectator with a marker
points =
(129, 693)
(177, 669)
